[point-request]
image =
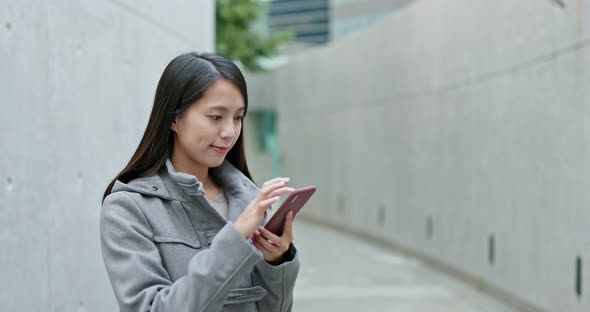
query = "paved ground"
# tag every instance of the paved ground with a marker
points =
(343, 273)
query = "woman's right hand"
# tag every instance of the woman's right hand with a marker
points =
(250, 219)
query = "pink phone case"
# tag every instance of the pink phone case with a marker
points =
(294, 202)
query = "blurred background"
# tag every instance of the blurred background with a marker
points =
(448, 141)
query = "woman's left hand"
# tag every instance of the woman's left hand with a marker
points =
(273, 247)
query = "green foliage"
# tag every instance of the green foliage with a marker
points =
(235, 37)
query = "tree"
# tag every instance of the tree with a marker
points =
(235, 37)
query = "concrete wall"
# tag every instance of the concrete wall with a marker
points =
(259, 99)
(259, 162)
(449, 125)
(77, 81)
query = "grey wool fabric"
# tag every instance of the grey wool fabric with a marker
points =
(166, 249)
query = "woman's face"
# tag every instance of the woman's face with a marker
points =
(210, 127)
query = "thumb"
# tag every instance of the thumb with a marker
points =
(288, 228)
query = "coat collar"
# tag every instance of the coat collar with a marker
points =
(234, 182)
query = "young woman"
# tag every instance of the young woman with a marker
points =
(180, 224)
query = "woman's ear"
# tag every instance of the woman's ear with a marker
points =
(173, 125)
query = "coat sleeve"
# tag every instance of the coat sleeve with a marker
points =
(138, 278)
(278, 280)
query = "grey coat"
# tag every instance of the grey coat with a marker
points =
(166, 249)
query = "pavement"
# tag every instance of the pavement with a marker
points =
(345, 273)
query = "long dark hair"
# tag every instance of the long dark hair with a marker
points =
(183, 82)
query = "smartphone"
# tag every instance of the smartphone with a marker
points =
(294, 202)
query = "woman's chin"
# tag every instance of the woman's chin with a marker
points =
(216, 163)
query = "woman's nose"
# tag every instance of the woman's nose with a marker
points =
(228, 130)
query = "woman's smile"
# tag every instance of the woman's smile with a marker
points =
(220, 149)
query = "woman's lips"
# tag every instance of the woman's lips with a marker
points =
(220, 150)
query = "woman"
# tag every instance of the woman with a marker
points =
(180, 225)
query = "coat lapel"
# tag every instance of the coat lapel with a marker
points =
(240, 191)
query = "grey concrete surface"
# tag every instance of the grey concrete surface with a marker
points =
(77, 82)
(450, 125)
(343, 273)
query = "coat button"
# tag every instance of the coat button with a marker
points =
(154, 188)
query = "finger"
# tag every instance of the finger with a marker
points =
(277, 181)
(288, 227)
(271, 187)
(268, 245)
(273, 181)
(266, 234)
(265, 191)
(265, 252)
(265, 204)
(281, 191)
(281, 243)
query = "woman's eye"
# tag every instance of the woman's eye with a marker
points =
(240, 118)
(215, 117)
